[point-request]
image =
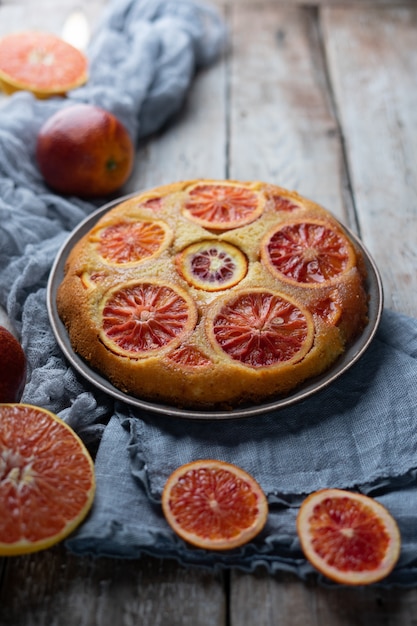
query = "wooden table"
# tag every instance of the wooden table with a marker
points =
(319, 96)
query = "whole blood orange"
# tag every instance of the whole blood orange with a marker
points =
(214, 505)
(46, 479)
(41, 63)
(85, 151)
(348, 537)
(13, 367)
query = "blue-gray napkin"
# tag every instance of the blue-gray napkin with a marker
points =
(358, 433)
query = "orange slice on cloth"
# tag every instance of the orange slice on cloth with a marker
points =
(310, 253)
(41, 63)
(222, 206)
(212, 265)
(129, 242)
(262, 328)
(214, 505)
(348, 537)
(140, 319)
(47, 479)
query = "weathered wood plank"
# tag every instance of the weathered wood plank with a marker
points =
(282, 600)
(373, 64)
(55, 588)
(323, 2)
(282, 126)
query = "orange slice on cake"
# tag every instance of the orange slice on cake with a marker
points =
(47, 479)
(222, 206)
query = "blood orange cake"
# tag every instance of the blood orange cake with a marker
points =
(207, 294)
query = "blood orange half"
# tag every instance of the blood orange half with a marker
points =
(214, 505)
(41, 63)
(348, 537)
(222, 206)
(140, 319)
(310, 253)
(261, 328)
(46, 479)
(212, 265)
(129, 242)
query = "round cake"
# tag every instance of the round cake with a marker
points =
(211, 294)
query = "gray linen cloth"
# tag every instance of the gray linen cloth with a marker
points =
(358, 433)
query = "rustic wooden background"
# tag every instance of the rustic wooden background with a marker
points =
(316, 95)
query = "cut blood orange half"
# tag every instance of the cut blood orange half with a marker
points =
(348, 537)
(308, 253)
(214, 505)
(130, 242)
(222, 206)
(46, 479)
(140, 319)
(41, 63)
(212, 265)
(261, 328)
(329, 309)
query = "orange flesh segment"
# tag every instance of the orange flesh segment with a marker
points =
(189, 356)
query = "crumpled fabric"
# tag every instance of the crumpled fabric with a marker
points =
(358, 433)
